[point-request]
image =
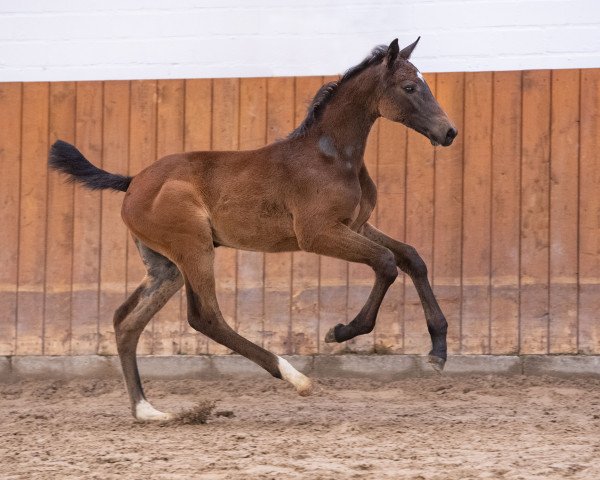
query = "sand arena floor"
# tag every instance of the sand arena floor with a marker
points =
(429, 428)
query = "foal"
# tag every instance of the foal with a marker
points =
(310, 191)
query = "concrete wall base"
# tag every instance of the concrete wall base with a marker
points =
(379, 367)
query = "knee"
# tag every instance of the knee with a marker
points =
(415, 265)
(387, 267)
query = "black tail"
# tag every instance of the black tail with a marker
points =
(65, 158)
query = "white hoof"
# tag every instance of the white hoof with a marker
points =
(303, 384)
(145, 412)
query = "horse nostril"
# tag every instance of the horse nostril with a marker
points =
(451, 135)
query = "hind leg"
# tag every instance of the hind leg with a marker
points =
(195, 256)
(161, 282)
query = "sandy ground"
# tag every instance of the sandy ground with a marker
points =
(429, 428)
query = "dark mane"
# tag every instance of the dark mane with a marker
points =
(328, 91)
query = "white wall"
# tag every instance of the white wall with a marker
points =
(135, 39)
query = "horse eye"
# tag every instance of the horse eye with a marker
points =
(409, 89)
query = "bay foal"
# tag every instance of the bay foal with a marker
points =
(310, 191)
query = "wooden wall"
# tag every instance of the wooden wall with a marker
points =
(508, 218)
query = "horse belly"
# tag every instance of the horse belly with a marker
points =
(263, 228)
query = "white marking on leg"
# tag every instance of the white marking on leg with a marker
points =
(147, 413)
(303, 384)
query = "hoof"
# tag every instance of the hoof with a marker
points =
(437, 363)
(144, 412)
(157, 418)
(330, 335)
(306, 389)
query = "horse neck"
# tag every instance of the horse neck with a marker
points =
(348, 118)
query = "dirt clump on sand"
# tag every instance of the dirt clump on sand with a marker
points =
(195, 415)
(431, 428)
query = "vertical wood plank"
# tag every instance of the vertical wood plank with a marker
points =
(361, 278)
(564, 190)
(447, 248)
(419, 229)
(142, 152)
(86, 224)
(391, 202)
(113, 232)
(32, 232)
(333, 292)
(250, 272)
(169, 140)
(225, 136)
(198, 133)
(10, 182)
(589, 217)
(59, 237)
(535, 168)
(476, 238)
(506, 139)
(278, 266)
(305, 266)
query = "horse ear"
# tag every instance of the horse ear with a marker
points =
(407, 51)
(392, 53)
